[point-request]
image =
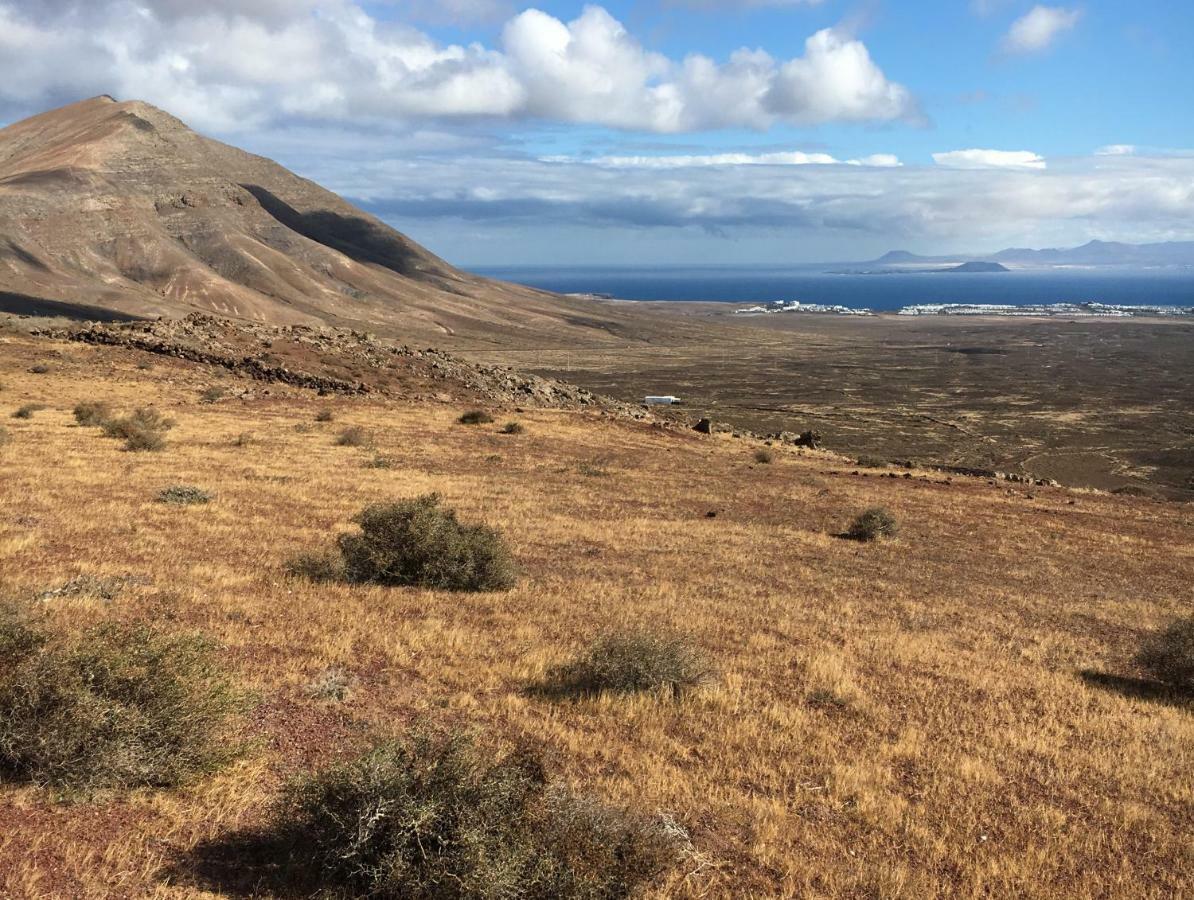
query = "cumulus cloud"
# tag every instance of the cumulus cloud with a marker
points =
(1132, 198)
(990, 159)
(243, 61)
(1038, 28)
(784, 158)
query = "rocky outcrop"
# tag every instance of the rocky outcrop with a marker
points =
(340, 361)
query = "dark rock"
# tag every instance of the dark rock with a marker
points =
(704, 426)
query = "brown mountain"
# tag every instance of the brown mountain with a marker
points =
(114, 209)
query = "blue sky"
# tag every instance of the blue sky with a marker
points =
(671, 131)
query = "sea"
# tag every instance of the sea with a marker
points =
(879, 292)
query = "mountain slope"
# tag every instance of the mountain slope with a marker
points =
(121, 207)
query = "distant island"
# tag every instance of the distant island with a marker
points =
(976, 266)
(972, 266)
(1092, 253)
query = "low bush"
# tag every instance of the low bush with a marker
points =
(92, 413)
(873, 524)
(325, 415)
(513, 428)
(379, 462)
(184, 495)
(1168, 655)
(435, 817)
(144, 429)
(763, 455)
(419, 542)
(332, 684)
(354, 436)
(212, 394)
(40, 369)
(27, 411)
(475, 417)
(244, 439)
(116, 706)
(628, 663)
(316, 566)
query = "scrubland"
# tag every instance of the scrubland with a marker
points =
(953, 712)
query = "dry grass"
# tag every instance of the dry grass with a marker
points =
(903, 719)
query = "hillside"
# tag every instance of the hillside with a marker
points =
(114, 209)
(951, 713)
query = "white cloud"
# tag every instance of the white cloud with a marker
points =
(249, 61)
(785, 158)
(990, 159)
(1134, 198)
(1116, 150)
(1038, 28)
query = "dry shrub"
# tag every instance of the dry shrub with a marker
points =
(92, 413)
(1168, 655)
(418, 542)
(628, 663)
(3, 435)
(144, 429)
(433, 817)
(212, 394)
(512, 428)
(39, 369)
(116, 706)
(354, 436)
(27, 411)
(763, 455)
(873, 524)
(475, 417)
(184, 495)
(325, 415)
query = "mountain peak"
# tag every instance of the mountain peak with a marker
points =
(119, 206)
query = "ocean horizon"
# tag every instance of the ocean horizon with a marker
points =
(880, 292)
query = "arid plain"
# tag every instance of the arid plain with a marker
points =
(1102, 403)
(953, 713)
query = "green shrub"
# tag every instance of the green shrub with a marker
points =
(325, 415)
(1168, 655)
(91, 413)
(419, 542)
(475, 417)
(316, 566)
(144, 429)
(629, 663)
(763, 455)
(513, 428)
(441, 818)
(354, 436)
(873, 524)
(27, 411)
(117, 706)
(184, 495)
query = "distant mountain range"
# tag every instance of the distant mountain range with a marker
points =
(1094, 253)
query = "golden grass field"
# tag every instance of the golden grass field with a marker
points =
(901, 719)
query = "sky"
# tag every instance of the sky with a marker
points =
(668, 131)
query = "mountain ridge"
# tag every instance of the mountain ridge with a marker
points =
(1108, 253)
(121, 209)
